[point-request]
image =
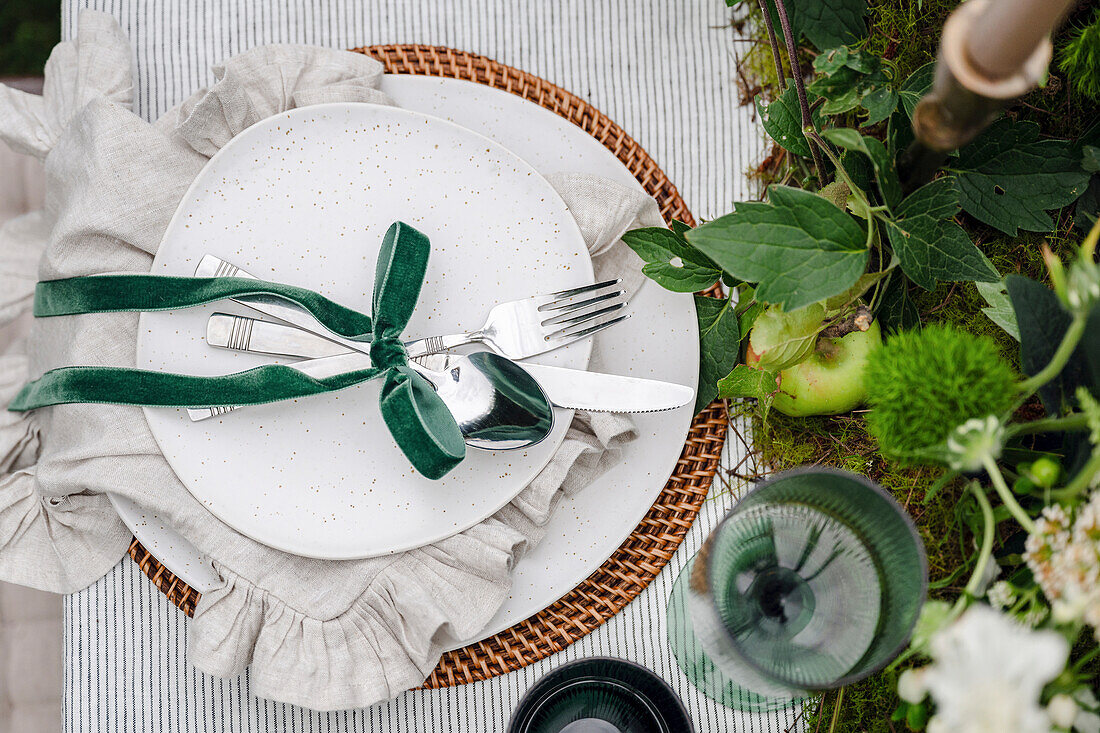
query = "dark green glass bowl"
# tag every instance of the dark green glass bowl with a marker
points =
(600, 695)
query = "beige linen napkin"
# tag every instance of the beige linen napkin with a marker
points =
(325, 635)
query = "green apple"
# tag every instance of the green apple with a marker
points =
(830, 380)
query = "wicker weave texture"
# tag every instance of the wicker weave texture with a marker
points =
(650, 546)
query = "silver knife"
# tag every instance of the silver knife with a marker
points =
(569, 388)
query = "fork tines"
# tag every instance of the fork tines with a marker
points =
(564, 294)
(583, 311)
(589, 326)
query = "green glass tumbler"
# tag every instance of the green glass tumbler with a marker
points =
(813, 581)
(600, 695)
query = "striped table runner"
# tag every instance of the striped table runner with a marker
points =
(664, 70)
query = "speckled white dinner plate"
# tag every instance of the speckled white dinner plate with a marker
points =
(660, 341)
(304, 198)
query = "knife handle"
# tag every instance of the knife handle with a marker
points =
(317, 368)
(269, 305)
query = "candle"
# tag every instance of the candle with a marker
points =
(1008, 32)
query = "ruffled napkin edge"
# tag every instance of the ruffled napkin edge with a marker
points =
(241, 624)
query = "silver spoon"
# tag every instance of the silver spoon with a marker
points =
(497, 405)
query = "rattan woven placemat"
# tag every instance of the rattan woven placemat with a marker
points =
(642, 555)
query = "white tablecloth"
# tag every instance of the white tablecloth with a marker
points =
(664, 70)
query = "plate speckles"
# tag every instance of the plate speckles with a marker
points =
(305, 198)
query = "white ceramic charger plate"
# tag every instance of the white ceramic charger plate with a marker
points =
(305, 198)
(660, 341)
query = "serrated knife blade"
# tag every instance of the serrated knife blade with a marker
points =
(576, 389)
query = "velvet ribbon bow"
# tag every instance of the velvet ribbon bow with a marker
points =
(417, 418)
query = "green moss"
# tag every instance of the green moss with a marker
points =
(906, 34)
(760, 68)
(865, 706)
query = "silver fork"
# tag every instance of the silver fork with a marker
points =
(517, 329)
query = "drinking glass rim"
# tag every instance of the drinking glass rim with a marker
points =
(908, 520)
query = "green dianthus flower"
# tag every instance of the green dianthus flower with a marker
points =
(921, 385)
(1080, 59)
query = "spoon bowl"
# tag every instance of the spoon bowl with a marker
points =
(497, 405)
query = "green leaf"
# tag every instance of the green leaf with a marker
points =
(916, 86)
(880, 103)
(839, 303)
(670, 261)
(781, 339)
(885, 172)
(1008, 177)
(999, 307)
(783, 121)
(859, 169)
(719, 346)
(798, 247)
(1087, 209)
(745, 381)
(748, 309)
(899, 133)
(1091, 136)
(749, 316)
(896, 310)
(916, 717)
(826, 23)
(1090, 158)
(1043, 322)
(833, 60)
(850, 79)
(930, 245)
(841, 89)
(679, 228)
(829, 23)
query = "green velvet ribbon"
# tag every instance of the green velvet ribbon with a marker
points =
(417, 418)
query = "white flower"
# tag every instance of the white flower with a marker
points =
(1064, 557)
(1034, 616)
(911, 687)
(1062, 710)
(972, 442)
(988, 674)
(1001, 595)
(1086, 721)
(1068, 611)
